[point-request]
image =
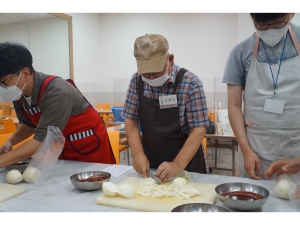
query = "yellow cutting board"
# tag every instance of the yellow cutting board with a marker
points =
(165, 204)
(8, 191)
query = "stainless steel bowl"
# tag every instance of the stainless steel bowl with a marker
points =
(80, 181)
(241, 202)
(21, 166)
(199, 207)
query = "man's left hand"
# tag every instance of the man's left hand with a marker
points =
(166, 170)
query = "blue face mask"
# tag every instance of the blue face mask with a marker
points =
(12, 93)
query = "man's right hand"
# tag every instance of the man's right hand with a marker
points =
(252, 165)
(6, 147)
(141, 164)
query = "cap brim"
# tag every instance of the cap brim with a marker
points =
(152, 65)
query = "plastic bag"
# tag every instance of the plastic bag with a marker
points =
(294, 191)
(45, 158)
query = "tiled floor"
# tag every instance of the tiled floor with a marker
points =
(224, 160)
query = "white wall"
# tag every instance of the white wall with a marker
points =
(47, 41)
(103, 46)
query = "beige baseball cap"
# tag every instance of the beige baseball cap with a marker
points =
(151, 51)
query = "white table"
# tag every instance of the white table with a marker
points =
(57, 194)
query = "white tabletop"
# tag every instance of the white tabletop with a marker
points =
(57, 194)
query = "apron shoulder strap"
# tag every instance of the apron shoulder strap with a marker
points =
(179, 77)
(295, 40)
(254, 55)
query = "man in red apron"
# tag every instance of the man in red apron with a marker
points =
(40, 101)
(170, 104)
(263, 70)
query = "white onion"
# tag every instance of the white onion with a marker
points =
(14, 177)
(110, 189)
(282, 188)
(179, 182)
(31, 174)
(126, 190)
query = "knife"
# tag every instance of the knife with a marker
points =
(157, 180)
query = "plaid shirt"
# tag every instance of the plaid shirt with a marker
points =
(190, 97)
(191, 100)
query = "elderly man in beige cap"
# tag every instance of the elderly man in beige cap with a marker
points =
(170, 104)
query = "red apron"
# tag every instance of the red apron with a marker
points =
(86, 135)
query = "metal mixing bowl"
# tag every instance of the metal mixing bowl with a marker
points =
(21, 166)
(88, 185)
(199, 207)
(240, 202)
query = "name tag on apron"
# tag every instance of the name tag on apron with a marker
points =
(168, 101)
(273, 105)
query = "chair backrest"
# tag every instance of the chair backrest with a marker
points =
(7, 126)
(103, 106)
(107, 119)
(13, 113)
(211, 115)
(5, 106)
(204, 146)
(114, 136)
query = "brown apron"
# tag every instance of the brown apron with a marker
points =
(162, 135)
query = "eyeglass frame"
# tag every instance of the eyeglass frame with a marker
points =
(3, 83)
(269, 24)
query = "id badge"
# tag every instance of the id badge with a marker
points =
(168, 101)
(273, 105)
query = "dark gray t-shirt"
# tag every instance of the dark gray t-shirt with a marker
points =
(60, 100)
(238, 62)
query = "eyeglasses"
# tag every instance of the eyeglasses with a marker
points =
(3, 83)
(276, 25)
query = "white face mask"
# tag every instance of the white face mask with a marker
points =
(12, 93)
(157, 82)
(272, 37)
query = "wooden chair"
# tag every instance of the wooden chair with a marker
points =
(7, 126)
(114, 138)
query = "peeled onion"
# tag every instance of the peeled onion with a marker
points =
(14, 177)
(126, 190)
(110, 188)
(31, 174)
(179, 182)
(282, 188)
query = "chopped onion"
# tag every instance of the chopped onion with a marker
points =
(126, 190)
(110, 188)
(14, 177)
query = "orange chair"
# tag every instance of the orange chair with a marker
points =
(100, 106)
(211, 115)
(107, 119)
(13, 113)
(7, 126)
(204, 146)
(5, 107)
(114, 138)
